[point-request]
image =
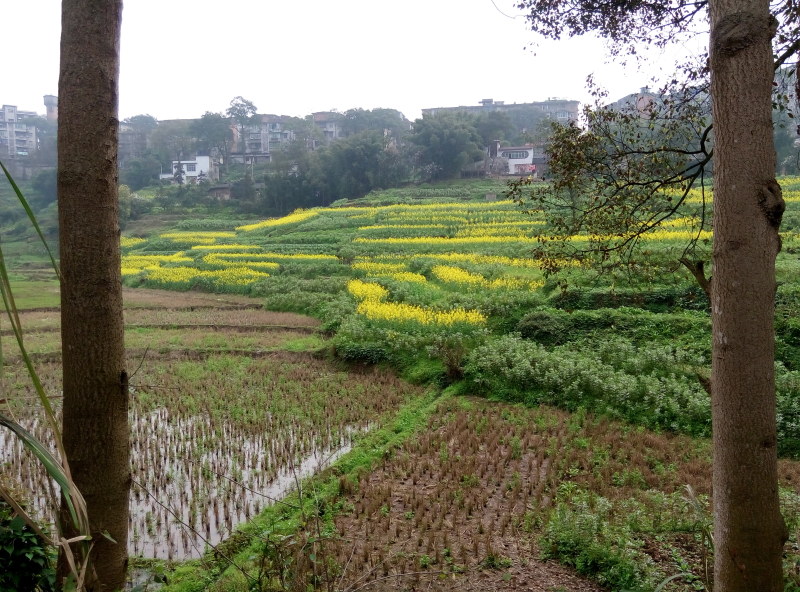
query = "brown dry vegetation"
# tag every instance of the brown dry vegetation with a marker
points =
(455, 509)
(464, 505)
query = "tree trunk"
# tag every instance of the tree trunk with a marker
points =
(96, 432)
(749, 532)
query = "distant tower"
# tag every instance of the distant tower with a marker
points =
(51, 104)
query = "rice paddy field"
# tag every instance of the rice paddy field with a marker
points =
(472, 424)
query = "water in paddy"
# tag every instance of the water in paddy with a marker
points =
(193, 482)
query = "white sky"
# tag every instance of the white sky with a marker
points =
(181, 58)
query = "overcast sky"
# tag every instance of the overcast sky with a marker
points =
(182, 58)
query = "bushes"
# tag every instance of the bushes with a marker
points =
(652, 386)
(25, 563)
(664, 299)
(435, 352)
(581, 533)
(292, 294)
(552, 326)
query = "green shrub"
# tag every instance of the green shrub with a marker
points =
(580, 532)
(548, 326)
(654, 387)
(25, 561)
(664, 299)
(333, 312)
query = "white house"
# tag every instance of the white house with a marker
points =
(520, 159)
(193, 169)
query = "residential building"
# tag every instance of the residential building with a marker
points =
(528, 159)
(17, 136)
(330, 123)
(275, 126)
(261, 139)
(201, 167)
(642, 102)
(523, 160)
(524, 116)
(270, 132)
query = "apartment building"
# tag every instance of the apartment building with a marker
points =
(17, 132)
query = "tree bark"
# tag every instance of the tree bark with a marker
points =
(96, 432)
(749, 532)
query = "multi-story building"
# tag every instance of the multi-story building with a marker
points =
(17, 136)
(330, 123)
(523, 115)
(260, 139)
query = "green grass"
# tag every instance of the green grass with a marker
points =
(35, 293)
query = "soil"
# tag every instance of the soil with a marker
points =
(456, 509)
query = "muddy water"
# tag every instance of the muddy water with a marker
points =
(193, 483)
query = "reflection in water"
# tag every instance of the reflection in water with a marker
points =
(194, 482)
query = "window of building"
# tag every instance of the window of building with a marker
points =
(515, 154)
(191, 167)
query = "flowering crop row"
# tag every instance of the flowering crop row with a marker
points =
(272, 256)
(127, 242)
(196, 237)
(226, 247)
(373, 305)
(367, 290)
(185, 277)
(456, 275)
(298, 216)
(400, 312)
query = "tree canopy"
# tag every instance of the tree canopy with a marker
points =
(446, 142)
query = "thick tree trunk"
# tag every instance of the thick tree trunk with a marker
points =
(96, 432)
(749, 532)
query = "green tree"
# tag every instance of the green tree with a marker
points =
(170, 140)
(618, 177)
(287, 183)
(144, 123)
(141, 172)
(44, 189)
(359, 120)
(178, 173)
(494, 125)
(363, 162)
(446, 143)
(243, 113)
(213, 132)
(96, 433)
(46, 140)
(749, 532)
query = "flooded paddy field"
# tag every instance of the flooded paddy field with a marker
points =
(223, 418)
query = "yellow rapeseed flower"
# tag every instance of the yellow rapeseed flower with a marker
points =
(130, 241)
(296, 216)
(364, 291)
(227, 247)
